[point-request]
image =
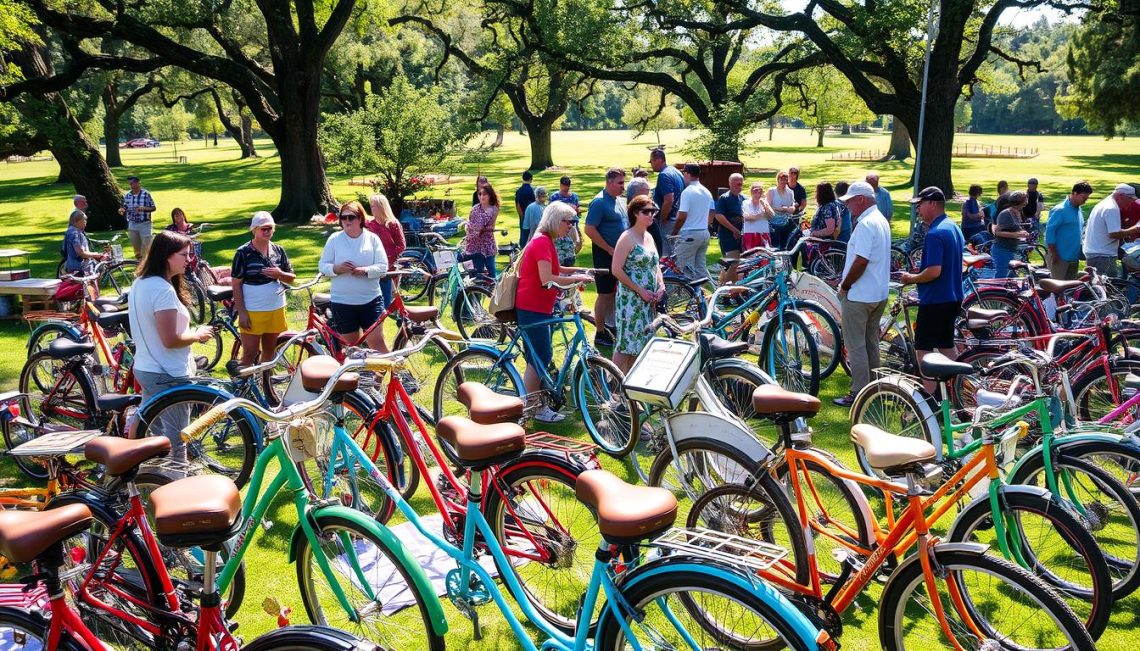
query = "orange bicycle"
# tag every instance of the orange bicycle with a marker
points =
(944, 596)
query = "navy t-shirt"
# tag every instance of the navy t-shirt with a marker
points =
(732, 207)
(669, 181)
(524, 196)
(943, 247)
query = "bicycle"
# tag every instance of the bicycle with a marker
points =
(179, 522)
(913, 603)
(628, 518)
(115, 273)
(593, 381)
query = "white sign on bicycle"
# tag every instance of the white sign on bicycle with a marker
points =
(444, 259)
(116, 252)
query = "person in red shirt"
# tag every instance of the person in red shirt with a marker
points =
(534, 302)
(1130, 217)
(391, 233)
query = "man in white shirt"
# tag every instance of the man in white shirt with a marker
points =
(1103, 232)
(694, 215)
(864, 286)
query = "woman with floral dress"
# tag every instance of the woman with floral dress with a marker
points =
(640, 285)
(481, 246)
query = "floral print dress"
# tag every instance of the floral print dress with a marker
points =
(481, 231)
(633, 314)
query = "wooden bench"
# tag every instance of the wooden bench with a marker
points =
(34, 293)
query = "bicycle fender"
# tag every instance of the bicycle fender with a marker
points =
(804, 629)
(1073, 443)
(390, 541)
(983, 503)
(929, 416)
(549, 457)
(302, 635)
(736, 362)
(703, 425)
(72, 331)
(215, 391)
(975, 549)
(487, 348)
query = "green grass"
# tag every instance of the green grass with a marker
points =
(218, 188)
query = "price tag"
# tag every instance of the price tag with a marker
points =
(117, 252)
(444, 259)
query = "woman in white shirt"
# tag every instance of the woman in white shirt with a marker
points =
(160, 328)
(757, 212)
(783, 202)
(355, 260)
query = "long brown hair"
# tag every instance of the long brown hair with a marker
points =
(491, 194)
(165, 244)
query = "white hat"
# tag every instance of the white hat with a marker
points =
(859, 189)
(261, 218)
(1126, 190)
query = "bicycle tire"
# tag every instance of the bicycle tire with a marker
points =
(414, 284)
(118, 276)
(208, 353)
(684, 583)
(523, 478)
(236, 427)
(828, 266)
(41, 337)
(473, 319)
(206, 274)
(601, 401)
(1120, 461)
(336, 529)
(71, 401)
(308, 638)
(1108, 511)
(783, 529)
(681, 301)
(198, 300)
(473, 365)
(1038, 517)
(1026, 326)
(897, 409)
(828, 337)
(1095, 395)
(777, 358)
(900, 261)
(352, 486)
(894, 621)
(33, 626)
(418, 374)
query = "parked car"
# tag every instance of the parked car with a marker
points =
(140, 143)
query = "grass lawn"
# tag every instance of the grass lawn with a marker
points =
(216, 187)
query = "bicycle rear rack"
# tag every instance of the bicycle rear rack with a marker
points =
(719, 546)
(56, 444)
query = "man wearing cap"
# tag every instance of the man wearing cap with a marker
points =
(137, 207)
(694, 215)
(532, 215)
(939, 280)
(524, 196)
(1063, 233)
(863, 287)
(605, 222)
(667, 196)
(1103, 232)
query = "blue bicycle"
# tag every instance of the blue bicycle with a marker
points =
(651, 585)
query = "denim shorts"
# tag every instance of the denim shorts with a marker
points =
(352, 318)
(539, 339)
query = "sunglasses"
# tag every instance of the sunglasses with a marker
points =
(350, 217)
(648, 211)
(266, 229)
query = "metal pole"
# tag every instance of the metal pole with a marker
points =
(930, 30)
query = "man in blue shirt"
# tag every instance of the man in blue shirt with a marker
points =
(524, 196)
(730, 223)
(605, 222)
(939, 280)
(1063, 233)
(667, 195)
(882, 197)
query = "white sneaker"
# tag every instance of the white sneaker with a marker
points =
(548, 415)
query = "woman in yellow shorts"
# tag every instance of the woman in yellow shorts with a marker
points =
(259, 269)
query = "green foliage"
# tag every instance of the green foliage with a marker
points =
(170, 125)
(1104, 64)
(16, 23)
(724, 138)
(646, 112)
(822, 98)
(401, 133)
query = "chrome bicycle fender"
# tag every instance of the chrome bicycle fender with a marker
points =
(703, 425)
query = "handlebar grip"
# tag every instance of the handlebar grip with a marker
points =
(196, 428)
(383, 364)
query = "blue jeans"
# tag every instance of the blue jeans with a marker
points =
(483, 264)
(385, 293)
(1001, 257)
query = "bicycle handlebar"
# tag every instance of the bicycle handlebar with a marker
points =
(281, 350)
(672, 323)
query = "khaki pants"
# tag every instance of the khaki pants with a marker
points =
(692, 250)
(861, 337)
(1063, 269)
(1104, 265)
(140, 236)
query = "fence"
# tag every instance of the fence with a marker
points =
(991, 151)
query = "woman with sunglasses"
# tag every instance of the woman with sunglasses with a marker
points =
(355, 260)
(637, 269)
(480, 246)
(259, 270)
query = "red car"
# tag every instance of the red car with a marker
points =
(140, 143)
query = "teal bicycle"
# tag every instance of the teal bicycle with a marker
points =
(698, 589)
(592, 381)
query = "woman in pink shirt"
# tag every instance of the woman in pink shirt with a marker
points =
(391, 233)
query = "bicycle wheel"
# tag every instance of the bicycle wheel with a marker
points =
(207, 354)
(68, 399)
(1018, 325)
(414, 284)
(900, 261)
(1054, 547)
(198, 300)
(473, 365)
(828, 266)
(827, 334)
(734, 382)
(228, 447)
(472, 317)
(689, 609)
(49, 332)
(118, 277)
(788, 353)
(706, 463)
(532, 508)
(354, 553)
(1098, 393)
(1008, 606)
(898, 408)
(20, 629)
(605, 408)
(419, 373)
(277, 381)
(308, 638)
(206, 274)
(350, 483)
(1105, 508)
(681, 300)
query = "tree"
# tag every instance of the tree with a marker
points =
(121, 91)
(1104, 65)
(822, 98)
(650, 110)
(271, 53)
(171, 126)
(404, 132)
(899, 148)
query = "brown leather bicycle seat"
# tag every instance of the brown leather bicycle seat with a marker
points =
(1058, 287)
(24, 535)
(318, 369)
(626, 512)
(322, 300)
(122, 456)
(772, 400)
(422, 314)
(476, 444)
(884, 450)
(487, 407)
(202, 504)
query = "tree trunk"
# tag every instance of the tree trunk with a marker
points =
(111, 120)
(937, 149)
(771, 128)
(819, 142)
(248, 150)
(539, 132)
(499, 133)
(304, 187)
(846, 129)
(900, 142)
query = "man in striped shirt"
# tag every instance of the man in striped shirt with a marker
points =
(137, 208)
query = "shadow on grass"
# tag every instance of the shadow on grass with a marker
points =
(1115, 163)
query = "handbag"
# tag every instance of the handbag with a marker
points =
(502, 304)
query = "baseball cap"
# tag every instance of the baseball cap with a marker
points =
(261, 218)
(1126, 190)
(859, 189)
(930, 194)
